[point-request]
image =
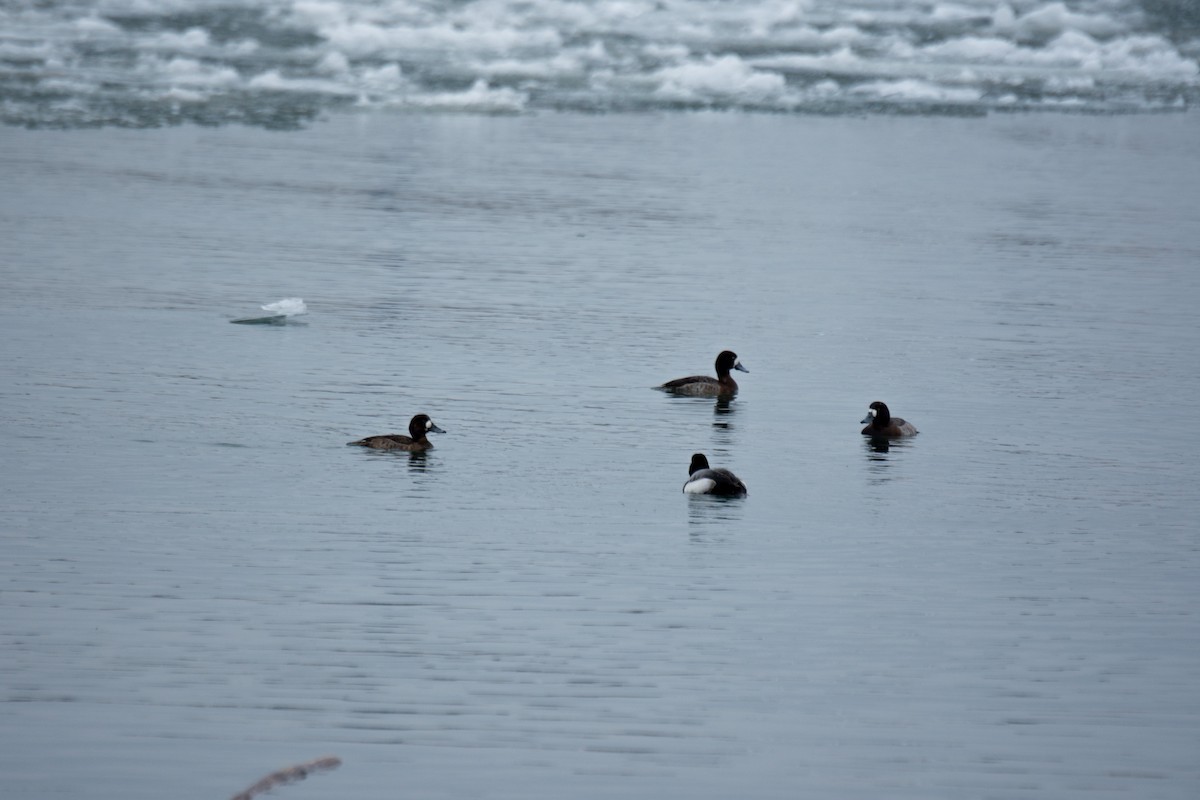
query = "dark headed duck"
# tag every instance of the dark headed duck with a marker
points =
(881, 423)
(704, 386)
(703, 479)
(415, 442)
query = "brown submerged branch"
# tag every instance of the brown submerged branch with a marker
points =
(291, 774)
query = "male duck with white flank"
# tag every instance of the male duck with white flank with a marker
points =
(703, 479)
(415, 442)
(881, 424)
(704, 386)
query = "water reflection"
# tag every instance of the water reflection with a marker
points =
(723, 422)
(422, 468)
(878, 444)
(418, 461)
(711, 513)
(882, 456)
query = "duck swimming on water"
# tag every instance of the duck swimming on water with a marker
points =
(703, 479)
(881, 423)
(703, 385)
(415, 442)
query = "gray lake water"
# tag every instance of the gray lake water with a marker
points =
(201, 583)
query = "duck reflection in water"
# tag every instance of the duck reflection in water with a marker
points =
(723, 422)
(714, 515)
(883, 454)
(418, 461)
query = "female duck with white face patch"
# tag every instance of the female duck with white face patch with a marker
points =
(703, 479)
(704, 386)
(415, 442)
(881, 423)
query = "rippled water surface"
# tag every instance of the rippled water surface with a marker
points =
(201, 583)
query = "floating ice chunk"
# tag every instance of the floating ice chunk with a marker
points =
(190, 72)
(1149, 55)
(563, 64)
(21, 52)
(288, 306)
(953, 12)
(279, 313)
(840, 61)
(1052, 20)
(272, 80)
(481, 97)
(383, 79)
(918, 92)
(191, 39)
(93, 25)
(319, 14)
(362, 39)
(334, 63)
(727, 77)
(971, 49)
(181, 95)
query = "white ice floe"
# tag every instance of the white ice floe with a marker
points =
(300, 57)
(916, 91)
(481, 97)
(288, 306)
(724, 77)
